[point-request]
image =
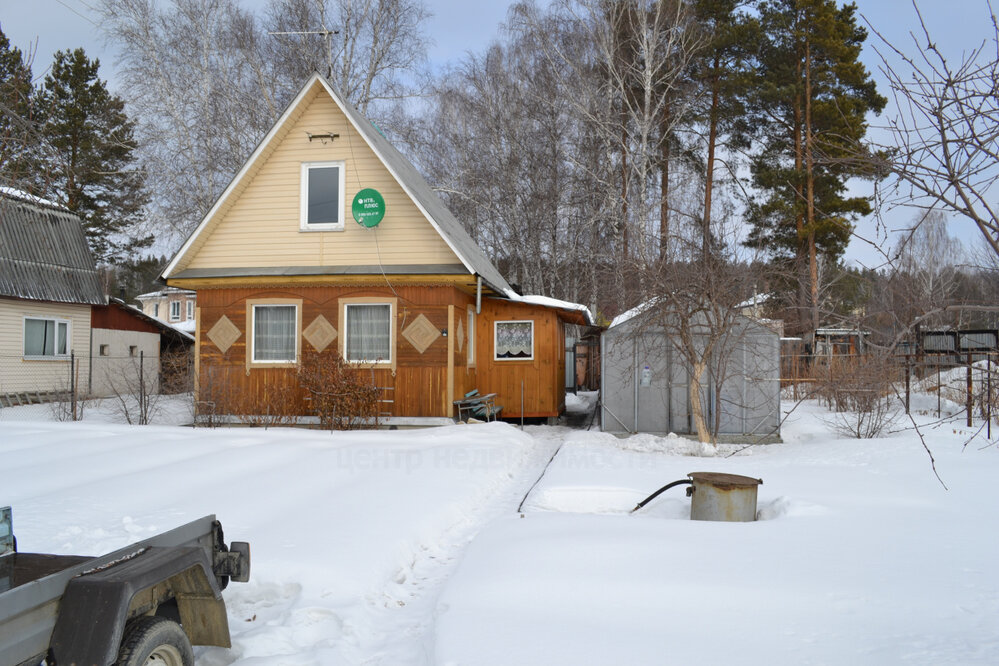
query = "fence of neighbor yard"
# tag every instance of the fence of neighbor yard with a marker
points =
(970, 379)
(73, 378)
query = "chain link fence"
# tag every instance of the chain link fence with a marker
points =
(133, 380)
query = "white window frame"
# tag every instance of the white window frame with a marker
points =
(190, 310)
(59, 321)
(252, 353)
(156, 310)
(174, 310)
(346, 332)
(496, 325)
(304, 197)
(470, 321)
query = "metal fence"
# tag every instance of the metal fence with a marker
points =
(73, 378)
(970, 379)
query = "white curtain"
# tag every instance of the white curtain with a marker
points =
(369, 332)
(274, 332)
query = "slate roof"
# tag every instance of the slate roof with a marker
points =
(449, 228)
(44, 254)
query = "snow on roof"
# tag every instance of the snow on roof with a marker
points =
(547, 302)
(632, 313)
(15, 193)
(165, 291)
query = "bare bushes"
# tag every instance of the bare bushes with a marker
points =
(338, 394)
(224, 398)
(860, 393)
(323, 385)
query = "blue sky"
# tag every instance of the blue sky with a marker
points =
(460, 26)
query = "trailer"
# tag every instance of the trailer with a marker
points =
(144, 604)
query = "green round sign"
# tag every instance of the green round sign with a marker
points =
(368, 208)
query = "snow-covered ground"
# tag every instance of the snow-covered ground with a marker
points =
(406, 547)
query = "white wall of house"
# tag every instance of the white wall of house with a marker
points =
(21, 374)
(116, 362)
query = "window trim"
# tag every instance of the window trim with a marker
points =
(513, 321)
(190, 310)
(303, 219)
(174, 305)
(344, 334)
(47, 357)
(251, 305)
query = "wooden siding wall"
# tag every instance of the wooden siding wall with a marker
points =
(543, 378)
(419, 387)
(259, 224)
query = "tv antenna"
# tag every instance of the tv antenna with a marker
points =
(327, 35)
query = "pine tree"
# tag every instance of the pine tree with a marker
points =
(94, 173)
(810, 101)
(723, 72)
(18, 134)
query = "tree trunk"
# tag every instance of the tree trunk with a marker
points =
(696, 407)
(709, 174)
(813, 269)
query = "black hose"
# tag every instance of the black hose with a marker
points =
(658, 492)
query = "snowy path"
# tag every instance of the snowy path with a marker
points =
(400, 628)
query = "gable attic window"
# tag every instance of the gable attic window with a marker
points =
(46, 338)
(274, 333)
(322, 196)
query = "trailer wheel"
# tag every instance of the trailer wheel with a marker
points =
(155, 641)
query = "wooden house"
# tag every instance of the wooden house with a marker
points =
(329, 240)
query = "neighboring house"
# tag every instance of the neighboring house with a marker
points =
(48, 284)
(645, 382)
(172, 305)
(127, 344)
(281, 267)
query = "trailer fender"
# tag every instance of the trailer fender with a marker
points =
(97, 605)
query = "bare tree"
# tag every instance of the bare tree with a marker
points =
(946, 130)
(372, 51)
(207, 81)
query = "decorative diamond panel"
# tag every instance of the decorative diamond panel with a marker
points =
(461, 337)
(223, 334)
(421, 333)
(320, 333)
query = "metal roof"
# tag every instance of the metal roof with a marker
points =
(44, 254)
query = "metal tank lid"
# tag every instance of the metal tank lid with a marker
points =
(722, 480)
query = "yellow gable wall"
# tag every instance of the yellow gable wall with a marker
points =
(259, 227)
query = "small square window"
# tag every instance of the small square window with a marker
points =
(133, 350)
(514, 340)
(322, 196)
(46, 338)
(105, 350)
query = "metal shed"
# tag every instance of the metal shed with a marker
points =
(645, 382)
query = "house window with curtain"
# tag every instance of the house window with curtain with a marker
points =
(514, 340)
(368, 332)
(275, 333)
(46, 338)
(190, 310)
(322, 196)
